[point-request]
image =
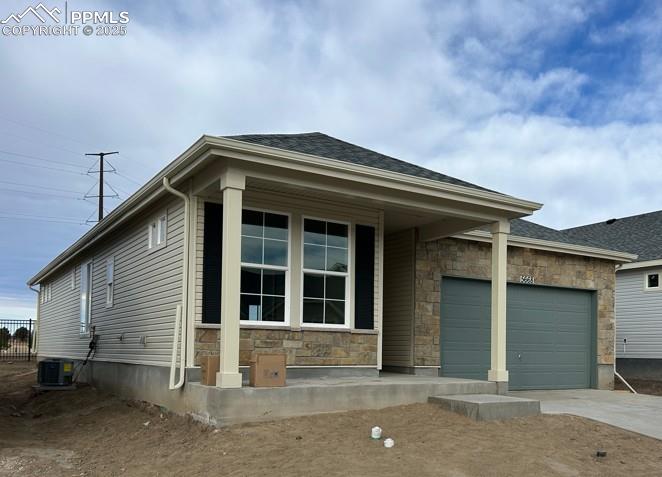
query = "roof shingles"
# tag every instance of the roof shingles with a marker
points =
(318, 144)
(638, 234)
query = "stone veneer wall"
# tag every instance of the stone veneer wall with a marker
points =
(303, 348)
(473, 260)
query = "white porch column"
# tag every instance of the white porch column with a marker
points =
(500, 231)
(232, 184)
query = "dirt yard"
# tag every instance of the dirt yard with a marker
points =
(85, 433)
(642, 386)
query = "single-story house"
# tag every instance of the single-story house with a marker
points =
(638, 290)
(348, 261)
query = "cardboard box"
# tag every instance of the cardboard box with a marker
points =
(209, 366)
(267, 370)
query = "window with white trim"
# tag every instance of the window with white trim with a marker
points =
(110, 281)
(325, 273)
(157, 232)
(264, 266)
(46, 293)
(85, 297)
(652, 281)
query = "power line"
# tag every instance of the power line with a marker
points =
(79, 166)
(43, 130)
(9, 161)
(39, 187)
(32, 141)
(36, 219)
(29, 192)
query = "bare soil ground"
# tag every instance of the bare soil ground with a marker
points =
(86, 432)
(642, 386)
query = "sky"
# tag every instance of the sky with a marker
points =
(557, 102)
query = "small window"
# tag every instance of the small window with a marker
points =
(157, 232)
(85, 297)
(652, 280)
(73, 279)
(46, 293)
(110, 283)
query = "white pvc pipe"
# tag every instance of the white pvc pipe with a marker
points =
(181, 320)
(616, 372)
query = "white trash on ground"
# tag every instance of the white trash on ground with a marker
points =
(376, 432)
(388, 443)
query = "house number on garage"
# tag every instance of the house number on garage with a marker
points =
(527, 280)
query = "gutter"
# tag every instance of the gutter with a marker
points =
(181, 320)
(551, 246)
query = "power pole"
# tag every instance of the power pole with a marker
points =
(101, 155)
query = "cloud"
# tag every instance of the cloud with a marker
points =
(497, 93)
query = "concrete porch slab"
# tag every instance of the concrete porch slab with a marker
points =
(320, 395)
(486, 407)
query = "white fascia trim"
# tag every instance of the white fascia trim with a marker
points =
(645, 264)
(547, 245)
(199, 152)
(302, 161)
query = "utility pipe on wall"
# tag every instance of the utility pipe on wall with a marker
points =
(181, 320)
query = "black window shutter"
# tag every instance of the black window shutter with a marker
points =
(364, 278)
(211, 263)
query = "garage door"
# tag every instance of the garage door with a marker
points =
(549, 338)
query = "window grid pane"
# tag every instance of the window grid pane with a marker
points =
(264, 257)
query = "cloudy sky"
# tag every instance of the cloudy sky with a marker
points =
(558, 102)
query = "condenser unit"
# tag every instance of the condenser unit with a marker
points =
(55, 372)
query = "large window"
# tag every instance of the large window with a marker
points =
(325, 272)
(264, 266)
(85, 297)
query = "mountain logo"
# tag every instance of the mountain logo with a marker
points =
(40, 11)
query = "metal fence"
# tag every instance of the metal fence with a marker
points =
(16, 340)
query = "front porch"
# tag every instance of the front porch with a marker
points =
(305, 396)
(356, 325)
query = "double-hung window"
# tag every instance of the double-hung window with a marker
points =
(325, 273)
(85, 296)
(264, 266)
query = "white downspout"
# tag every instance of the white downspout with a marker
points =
(616, 372)
(181, 320)
(35, 330)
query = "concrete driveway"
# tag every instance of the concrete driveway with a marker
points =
(639, 413)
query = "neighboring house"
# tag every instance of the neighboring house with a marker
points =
(346, 260)
(638, 290)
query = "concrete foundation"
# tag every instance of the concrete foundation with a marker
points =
(487, 407)
(640, 368)
(300, 396)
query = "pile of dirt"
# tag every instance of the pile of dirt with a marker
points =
(86, 432)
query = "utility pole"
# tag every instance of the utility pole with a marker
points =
(101, 155)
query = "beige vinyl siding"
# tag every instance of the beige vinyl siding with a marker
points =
(399, 268)
(638, 315)
(147, 289)
(297, 207)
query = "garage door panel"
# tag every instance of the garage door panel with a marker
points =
(548, 334)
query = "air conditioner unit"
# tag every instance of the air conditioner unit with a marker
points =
(55, 372)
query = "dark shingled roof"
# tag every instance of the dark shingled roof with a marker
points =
(524, 228)
(639, 234)
(318, 144)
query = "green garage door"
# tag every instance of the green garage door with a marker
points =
(549, 338)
